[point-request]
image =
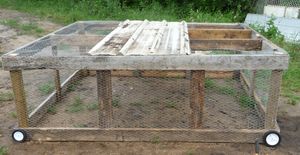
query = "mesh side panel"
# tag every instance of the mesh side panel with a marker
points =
(145, 99)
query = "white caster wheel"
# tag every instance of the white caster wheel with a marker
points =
(272, 139)
(19, 136)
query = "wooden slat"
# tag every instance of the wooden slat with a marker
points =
(230, 44)
(215, 26)
(57, 85)
(220, 33)
(170, 62)
(144, 135)
(197, 98)
(274, 93)
(19, 96)
(104, 89)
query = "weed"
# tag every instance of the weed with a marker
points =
(92, 106)
(72, 86)
(52, 110)
(13, 114)
(116, 103)
(3, 150)
(6, 96)
(209, 83)
(154, 102)
(80, 126)
(170, 104)
(76, 106)
(47, 88)
(226, 90)
(246, 101)
(155, 140)
(137, 104)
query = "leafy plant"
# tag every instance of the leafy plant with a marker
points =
(3, 150)
(47, 88)
(76, 106)
(6, 96)
(52, 110)
(116, 103)
(13, 114)
(92, 106)
(170, 104)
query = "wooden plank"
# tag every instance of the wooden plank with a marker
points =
(182, 62)
(20, 97)
(215, 25)
(36, 115)
(197, 98)
(219, 74)
(57, 85)
(274, 93)
(144, 135)
(104, 89)
(229, 44)
(219, 33)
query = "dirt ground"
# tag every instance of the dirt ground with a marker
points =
(289, 119)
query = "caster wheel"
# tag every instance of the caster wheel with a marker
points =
(272, 139)
(19, 136)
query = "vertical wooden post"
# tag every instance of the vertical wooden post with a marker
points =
(57, 85)
(104, 89)
(20, 99)
(83, 49)
(252, 83)
(274, 93)
(197, 98)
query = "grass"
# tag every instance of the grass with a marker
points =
(80, 126)
(137, 104)
(47, 88)
(13, 114)
(52, 110)
(3, 150)
(92, 106)
(68, 12)
(72, 86)
(23, 28)
(6, 96)
(116, 103)
(171, 105)
(76, 106)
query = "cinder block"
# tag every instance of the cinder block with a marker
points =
(277, 11)
(292, 12)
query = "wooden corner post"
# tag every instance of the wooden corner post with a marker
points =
(104, 89)
(20, 99)
(274, 93)
(197, 98)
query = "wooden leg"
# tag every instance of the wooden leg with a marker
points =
(104, 88)
(252, 84)
(197, 98)
(20, 100)
(274, 93)
(57, 85)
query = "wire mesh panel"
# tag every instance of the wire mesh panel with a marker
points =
(147, 99)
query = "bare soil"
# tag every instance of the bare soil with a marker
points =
(289, 116)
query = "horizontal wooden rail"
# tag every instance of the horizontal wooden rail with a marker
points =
(230, 44)
(145, 134)
(219, 33)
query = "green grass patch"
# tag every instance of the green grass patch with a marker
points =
(3, 150)
(13, 114)
(72, 87)
(46, 88)
(76, 106)
(116, 103)
(6, 96)
(246, 101)
(171, 105)
(92, 106)
(137, 104)
(23, 28)
(52, 110)
(80, 126)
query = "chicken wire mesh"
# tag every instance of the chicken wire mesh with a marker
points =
(145, 99)
(288, 3)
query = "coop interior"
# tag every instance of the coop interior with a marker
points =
(224, 99)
